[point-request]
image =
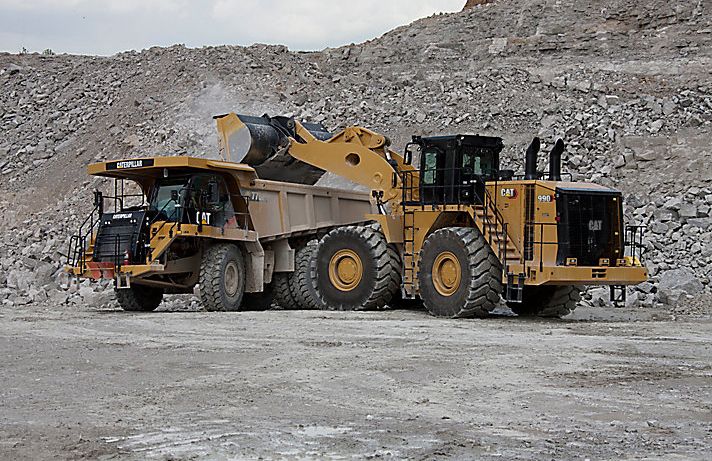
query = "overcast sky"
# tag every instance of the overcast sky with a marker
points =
(110, 26)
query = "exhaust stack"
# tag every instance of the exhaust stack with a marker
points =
(530, 159)
(555, 160)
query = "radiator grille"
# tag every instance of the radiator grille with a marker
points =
(590, 226)
(117, 236)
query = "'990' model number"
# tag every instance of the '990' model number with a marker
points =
(544, 198)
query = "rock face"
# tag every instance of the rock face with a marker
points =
(625, 83)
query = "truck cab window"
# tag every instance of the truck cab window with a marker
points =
(160, 200)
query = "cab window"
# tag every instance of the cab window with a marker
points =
(160, 200)
(430, 167)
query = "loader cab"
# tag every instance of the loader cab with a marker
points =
(454, 169)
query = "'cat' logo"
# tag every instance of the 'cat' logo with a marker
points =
(595, 225)
(509, 192)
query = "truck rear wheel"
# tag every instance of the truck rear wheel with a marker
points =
(282, 293)
(547, 301)
(353, 269)
(139, 298)
(301, 282)
(459, 275)
(222, 278)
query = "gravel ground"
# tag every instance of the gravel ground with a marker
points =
(608, 384)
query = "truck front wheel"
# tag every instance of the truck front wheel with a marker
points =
(139, 298)
(222, 278)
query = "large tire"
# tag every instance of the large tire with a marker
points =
(282, 293)
(353, 269)
(258, 301)
(459, 275)
(301, 282)
(547, 301)
(139, 298)
(222, 278)
(396, 273)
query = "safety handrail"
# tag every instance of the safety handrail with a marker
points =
(633, 241)
(541, 242)
(76, 254)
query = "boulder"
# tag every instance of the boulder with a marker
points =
(677, 282)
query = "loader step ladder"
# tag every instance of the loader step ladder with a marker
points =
(408, 288)
(494, 230)
(515, 287)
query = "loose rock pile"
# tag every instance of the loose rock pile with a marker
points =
(626, 84)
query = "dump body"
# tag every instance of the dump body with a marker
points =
(280, 209)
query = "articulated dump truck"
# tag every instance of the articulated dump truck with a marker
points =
(442, 224)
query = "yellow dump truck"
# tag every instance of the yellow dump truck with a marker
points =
(202, 221)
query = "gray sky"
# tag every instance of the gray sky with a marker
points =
(109, 26)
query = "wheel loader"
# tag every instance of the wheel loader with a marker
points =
(441, 224)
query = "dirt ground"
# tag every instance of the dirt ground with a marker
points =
(608, 384)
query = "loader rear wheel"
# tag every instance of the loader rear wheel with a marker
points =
(222, 278)
(301, 282)
(139, 298)
(282, 293)
(547, 301)
(459, 275)
(353, 269)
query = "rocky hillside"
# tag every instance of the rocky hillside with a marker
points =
(626, 83)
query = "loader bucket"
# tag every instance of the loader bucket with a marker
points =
(262, 143)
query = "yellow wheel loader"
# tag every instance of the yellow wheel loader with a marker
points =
(454, 231)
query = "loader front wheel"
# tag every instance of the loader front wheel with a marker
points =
(547, 301)
(222, 278)
(353, 269)
(459, 275)
(139, 298)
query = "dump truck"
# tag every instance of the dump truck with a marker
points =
(442, 224)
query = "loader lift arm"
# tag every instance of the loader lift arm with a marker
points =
(355, 153)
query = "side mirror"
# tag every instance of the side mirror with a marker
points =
(408, 153)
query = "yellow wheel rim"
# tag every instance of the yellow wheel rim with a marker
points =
(345, 270)
(447, 273)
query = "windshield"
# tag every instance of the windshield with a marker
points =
(478, 161)
(161, 197)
